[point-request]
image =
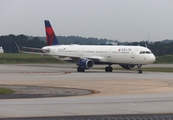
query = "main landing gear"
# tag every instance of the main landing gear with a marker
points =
(139, 69)
(79, 69)
(108, 68)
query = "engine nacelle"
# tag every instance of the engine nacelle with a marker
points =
(85, 63)
(126, 66)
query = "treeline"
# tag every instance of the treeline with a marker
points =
(159, 48)
(77, 40)
(8, 42)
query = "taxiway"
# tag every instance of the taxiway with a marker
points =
(120, 92)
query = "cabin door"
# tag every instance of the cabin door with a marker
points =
(109, 53)
(133, 53)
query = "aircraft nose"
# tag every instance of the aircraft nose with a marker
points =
(152, 59)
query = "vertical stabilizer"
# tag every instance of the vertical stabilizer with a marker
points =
(50, 35)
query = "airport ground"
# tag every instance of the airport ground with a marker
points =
(117, 93)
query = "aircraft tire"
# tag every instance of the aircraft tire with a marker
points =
(108, 69)
(139, 71)
(79, 69)
(82, 70)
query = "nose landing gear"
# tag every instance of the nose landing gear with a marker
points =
(139, 69)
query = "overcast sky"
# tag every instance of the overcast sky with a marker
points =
(125, 20)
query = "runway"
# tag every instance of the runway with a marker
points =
(121, 92)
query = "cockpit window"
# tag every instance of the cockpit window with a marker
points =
(148, 52)
(145, 52)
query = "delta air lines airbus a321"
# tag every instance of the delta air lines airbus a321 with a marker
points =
(87, 55)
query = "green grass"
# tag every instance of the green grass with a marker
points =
(5, 91)
(17, 58)
(164, 59)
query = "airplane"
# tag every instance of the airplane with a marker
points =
(86, 56)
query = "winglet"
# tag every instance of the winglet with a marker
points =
(50, 35)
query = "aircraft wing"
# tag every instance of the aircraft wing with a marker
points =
(94, 58)
(74, 57)
(40, 53)
(30, 48)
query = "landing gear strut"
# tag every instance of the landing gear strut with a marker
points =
(79, 69)
(108, 68)
(139, 69)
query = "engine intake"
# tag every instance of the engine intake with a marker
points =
(85, 63)
(126, 66)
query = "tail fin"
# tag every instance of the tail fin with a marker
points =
(50, 35)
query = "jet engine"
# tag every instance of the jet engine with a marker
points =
(126, 66)
(85, 63)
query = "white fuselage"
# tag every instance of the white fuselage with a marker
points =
(105, 54)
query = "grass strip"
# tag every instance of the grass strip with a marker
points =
(5, 91)
(18, 58)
